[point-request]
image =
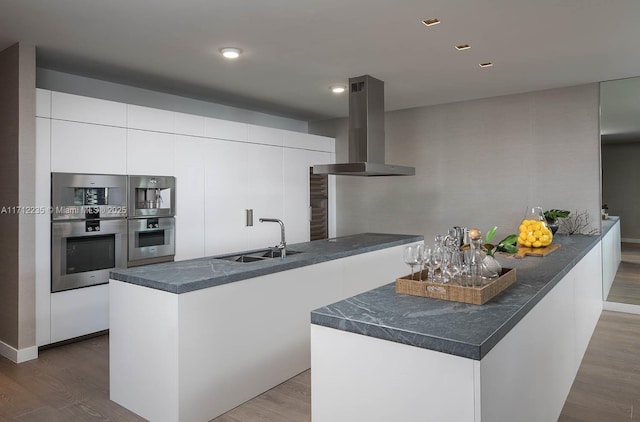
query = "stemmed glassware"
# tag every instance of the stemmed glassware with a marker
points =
(420, 258)
(433, 259)
(410, 256)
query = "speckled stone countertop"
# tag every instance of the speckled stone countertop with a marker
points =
(461, 329)
(196, 274)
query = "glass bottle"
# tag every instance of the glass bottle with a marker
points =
(534, 232)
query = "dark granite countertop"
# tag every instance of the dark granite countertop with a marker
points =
(466, 330)
(196, 274)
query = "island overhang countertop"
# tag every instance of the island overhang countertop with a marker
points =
(195, 274)
(460, 329)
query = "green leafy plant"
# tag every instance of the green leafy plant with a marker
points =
(508, 244)
(554, 215)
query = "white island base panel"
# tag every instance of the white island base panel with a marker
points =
(525, 377)
(193, 356)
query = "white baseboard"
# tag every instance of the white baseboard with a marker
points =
(18, 355)
(622, 307)
(627, 240)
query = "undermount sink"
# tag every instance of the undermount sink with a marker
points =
(256, 255)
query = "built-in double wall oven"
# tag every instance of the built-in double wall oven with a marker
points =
(88, 228)
(99, 222)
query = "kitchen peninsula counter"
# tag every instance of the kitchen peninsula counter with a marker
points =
(513, 358)
(195, 274)
(456, 328)
(191, 340)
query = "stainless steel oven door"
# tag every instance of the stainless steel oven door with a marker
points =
(151, 240)
(84, 252)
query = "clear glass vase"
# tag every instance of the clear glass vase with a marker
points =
(534, 231)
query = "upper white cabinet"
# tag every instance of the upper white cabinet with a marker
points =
(150, 119)
(43, 103)
(88, 148)
(189, 124)
(87, 110)
(265, 135)
(225, 129)
(307, 141)
(150, 153)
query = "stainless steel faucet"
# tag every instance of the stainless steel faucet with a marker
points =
(283, 244)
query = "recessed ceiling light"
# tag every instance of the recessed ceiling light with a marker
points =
(337, 89)
(461, 47)
(487, 64)
(231, 52)
(431, 21)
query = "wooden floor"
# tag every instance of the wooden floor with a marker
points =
(607, 387)
(626, 285)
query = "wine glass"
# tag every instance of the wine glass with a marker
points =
(434, 262)
(410, 257)
(420, 259)
(455, 264)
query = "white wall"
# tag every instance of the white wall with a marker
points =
(478, 163)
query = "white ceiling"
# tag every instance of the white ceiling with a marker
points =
(295, 49)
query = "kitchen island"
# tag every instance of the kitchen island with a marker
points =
(190, 340)
(409, 358)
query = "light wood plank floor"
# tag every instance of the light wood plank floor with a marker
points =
(70, 383)
(626, 285)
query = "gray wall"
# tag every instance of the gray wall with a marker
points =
(17, 172)
(620, 187)
(80, 85)
(478, 163)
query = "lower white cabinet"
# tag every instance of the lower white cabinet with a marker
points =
(526, 376)
(209, 350)
(79, 312)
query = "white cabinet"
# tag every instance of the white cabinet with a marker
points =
(189, 344)
(225, 194)
(265, 135)
(43, 232)
(43, 103)
(307, 141)
(189, 124)
(150, 153)
(79, 312)
(190, 217)
(87, 110)
(265, 193)
(224, 129)
(146, 118)
(88, 148)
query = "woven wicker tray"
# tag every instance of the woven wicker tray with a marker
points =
(455, 292)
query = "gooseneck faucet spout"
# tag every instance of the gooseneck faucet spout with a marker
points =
(283, 244)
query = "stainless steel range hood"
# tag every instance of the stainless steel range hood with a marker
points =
(366, 134)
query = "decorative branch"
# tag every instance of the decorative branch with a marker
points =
(577, 223)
